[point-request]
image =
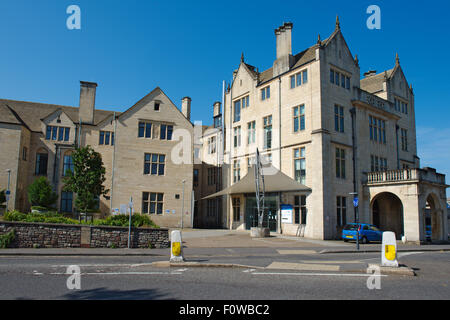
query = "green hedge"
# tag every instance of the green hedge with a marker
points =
(137, 220)
(122, 220)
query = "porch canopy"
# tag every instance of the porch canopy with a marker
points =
(274, 181)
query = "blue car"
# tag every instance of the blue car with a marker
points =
(367, 232)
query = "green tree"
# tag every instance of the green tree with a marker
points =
(40, 193)
(87, 178)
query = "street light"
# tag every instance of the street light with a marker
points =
(182, 205)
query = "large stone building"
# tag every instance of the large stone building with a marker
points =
(136, 148)
(310, 116)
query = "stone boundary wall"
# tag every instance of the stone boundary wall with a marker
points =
(43, 235)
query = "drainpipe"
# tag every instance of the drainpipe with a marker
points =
(113, 163)
(279, 120)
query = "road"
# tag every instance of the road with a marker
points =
(285, 277)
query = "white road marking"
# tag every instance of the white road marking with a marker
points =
(249, 270)
(303, 266)
(318, 274)
(296, 251)
(404, 254)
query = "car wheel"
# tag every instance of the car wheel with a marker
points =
(364, 240)
(345, 240)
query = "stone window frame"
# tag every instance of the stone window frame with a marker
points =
(66, 200)
(299, 118)
(341, 211)
(299, 155)
(237, 136)
(377, 129)
(105, 138)
(236, 170)
(153, 198)
(339, 118)
(150, 162)
(38, 170)
(404, 139)
(267, 128)
(251, 132)
(265, 93)
(340, 156)
(300, 213)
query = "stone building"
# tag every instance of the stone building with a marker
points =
(310, 115)
(136, 146)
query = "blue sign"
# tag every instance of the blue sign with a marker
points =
(355, 202)
(8, 192)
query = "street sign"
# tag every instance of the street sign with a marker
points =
(7, 192)
(355, 202)
(286, 213)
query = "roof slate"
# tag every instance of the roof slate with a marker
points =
(31, 113)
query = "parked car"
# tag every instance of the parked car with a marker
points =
(367, 232)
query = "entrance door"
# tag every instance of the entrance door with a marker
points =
(270, 214)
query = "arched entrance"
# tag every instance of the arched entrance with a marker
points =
(387, 213)
(433, 219)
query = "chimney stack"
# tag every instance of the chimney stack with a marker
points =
(186, 107)
(284, 59)
(87, 101)
(217, 109)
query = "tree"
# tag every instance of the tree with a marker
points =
(87, 178)
(40, 193)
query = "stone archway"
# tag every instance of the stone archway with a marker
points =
(433, 219)
(387, 213)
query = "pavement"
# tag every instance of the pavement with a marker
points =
(236, 249)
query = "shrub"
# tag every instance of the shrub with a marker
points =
(40, 193)
(46, 217)
(7, 238)
(122, 220)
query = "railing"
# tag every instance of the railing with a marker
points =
(405, 175)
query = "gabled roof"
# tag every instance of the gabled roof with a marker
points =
(31, 113)
(8, 116)
(374, 83)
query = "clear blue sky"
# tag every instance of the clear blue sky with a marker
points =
(188, 47)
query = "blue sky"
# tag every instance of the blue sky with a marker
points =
(188, 47)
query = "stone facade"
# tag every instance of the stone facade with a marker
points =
(38, 139)
(318, 103)
(39, 235)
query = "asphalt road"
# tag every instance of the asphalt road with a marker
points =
(134, 278)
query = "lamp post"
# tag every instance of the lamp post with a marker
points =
(8, 192)
(182, 205)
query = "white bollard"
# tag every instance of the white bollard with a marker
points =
(389, 250)
(176, 247)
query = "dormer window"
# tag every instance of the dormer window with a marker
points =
(57, 133)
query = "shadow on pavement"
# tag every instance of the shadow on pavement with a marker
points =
(108, 294)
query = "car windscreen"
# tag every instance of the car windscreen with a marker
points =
(351, 227)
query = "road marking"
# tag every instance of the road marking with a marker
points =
(249, 270)
(318, 274)
(330, 261)
(117, 273)
(296, 251)
(404, 254)
(303, 266)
